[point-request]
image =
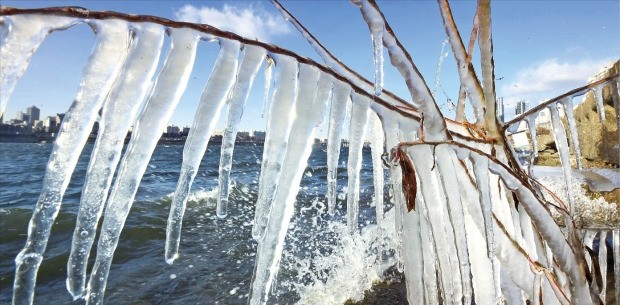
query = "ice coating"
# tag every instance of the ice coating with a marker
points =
(357, 132)
(268, 74)
(103, 66)
(308, 110)
(567, 103)
(167, 90)
(252, 59)
(413, 262)
(562, 144)
(278, 129)
(376, 145)
(334, 136)
(119, 111)
(24, 35)
(598, 96)
(211, 102)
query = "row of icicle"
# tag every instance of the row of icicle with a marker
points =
(441, 253)
(117, 79)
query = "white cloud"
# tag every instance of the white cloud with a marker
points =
(549, 78)
(249, 22)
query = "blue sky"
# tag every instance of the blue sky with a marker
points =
(542, 48)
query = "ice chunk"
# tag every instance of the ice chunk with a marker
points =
(24, 35)
(253, 57)
(166, 92)
(357, 131)
(214, 95)
(119, 111)
(334, 137)
(278, 129)
(103, 66)
(308, 111)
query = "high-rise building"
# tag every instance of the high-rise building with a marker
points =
(33, 113)
(522, 106)
(499, 101)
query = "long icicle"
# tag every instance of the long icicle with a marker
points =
(602, 262)
(268, 74)
(118, 113)
(357, 130)
(215, 93)
(166, 93)
(414, 261)
(600, 105)
(567, 103)
(531, 124)
(278, 129)
(334, 136)
(377, 139)
(99, 74)
(562, 144)
(25, 33)
(308, 111)
(616, 254)
(253, 58)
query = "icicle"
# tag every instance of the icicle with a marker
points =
(308, 111)
(413, 262)
(334, 137)
(600, 106)
(440, 224)
(268, 73)
(376, 145)
(278, 129)
(572, 126)
(588, 241)
(214, 95)
(99, 74)
(252, 59)
(562, 144)
(446, 165)
(616, 254)
(429, 255)
(376, 33)
(531, 124)
(357, 130)
(119, 112)
(166, 92)
(24, 35)
(602, 261)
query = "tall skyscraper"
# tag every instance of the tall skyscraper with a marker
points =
(33, 113)
(522, 106)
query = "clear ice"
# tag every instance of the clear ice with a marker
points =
(357, 132)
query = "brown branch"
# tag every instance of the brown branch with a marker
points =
(485, 42)
(575, 92)
(79, 12)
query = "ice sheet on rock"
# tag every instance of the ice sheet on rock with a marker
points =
(567, 103)
(598, 96)
(278, 129)
(253, 57)
(24, 35)
(99, 74)
(376, 146)
(562, 145)
(531, 124)
(308, 110)
(167, 90)
(211, 102)
(357, 131)
(334, 137)
(118, 113)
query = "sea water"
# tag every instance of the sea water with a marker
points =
(321, 263)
